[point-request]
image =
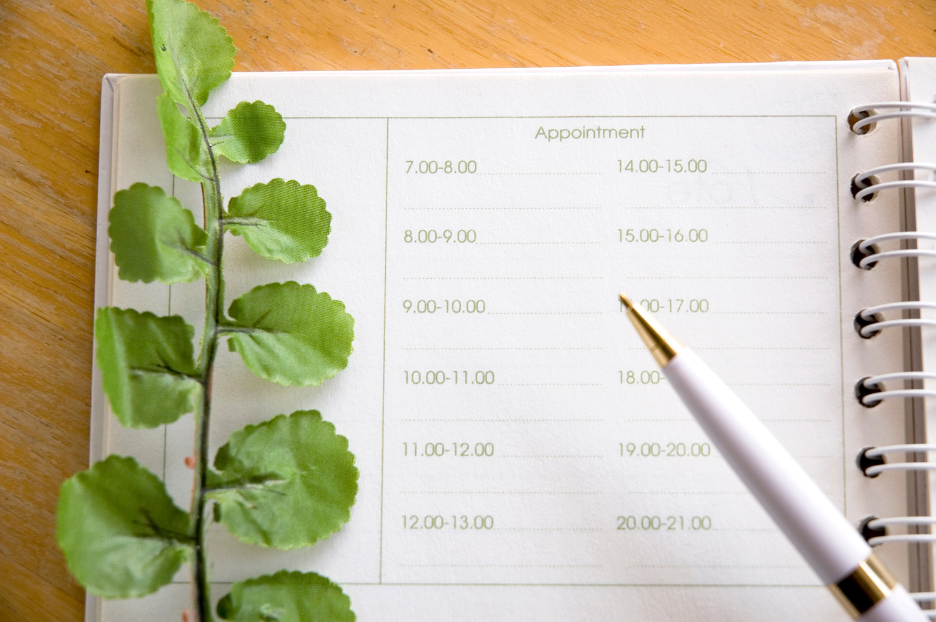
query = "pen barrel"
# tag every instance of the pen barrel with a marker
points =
(818, 530)
(898, 607)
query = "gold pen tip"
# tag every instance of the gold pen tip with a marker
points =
(661, 344)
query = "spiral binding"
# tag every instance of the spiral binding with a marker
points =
(866, 185)
(866, 254)
(872, 390)
(863, 118)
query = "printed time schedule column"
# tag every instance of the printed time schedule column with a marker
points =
(528, 436)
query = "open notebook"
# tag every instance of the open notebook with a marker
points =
(520, 456)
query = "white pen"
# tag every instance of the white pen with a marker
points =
(820, 532)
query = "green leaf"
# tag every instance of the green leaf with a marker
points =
(285, 483)
(186, 152)
(194, 54)
(286, 597)
(154, 238)
(290, 334)
(147, 366)
(249, 132)
(122, 535)
(281, 220)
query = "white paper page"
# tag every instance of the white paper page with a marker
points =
(521, 457)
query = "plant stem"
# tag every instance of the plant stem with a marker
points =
(214, 300)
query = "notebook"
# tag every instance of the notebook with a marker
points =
(520, 456)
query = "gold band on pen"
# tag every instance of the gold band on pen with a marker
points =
(866, 586)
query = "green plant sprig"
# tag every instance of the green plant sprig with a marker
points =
(283, 483)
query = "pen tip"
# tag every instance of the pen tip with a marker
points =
(661, 344)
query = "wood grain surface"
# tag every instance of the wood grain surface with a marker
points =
(52, 58)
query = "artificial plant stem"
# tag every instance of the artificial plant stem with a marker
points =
(214, 299)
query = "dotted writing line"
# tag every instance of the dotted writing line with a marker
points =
(532, 456)
(760, 567)
(546, 313)
(756, 349)
(693, 420)
(658, 420)
(676, 492)
(539, 173)
(770, 313)
(492, 492)
(549, 529)
(725, 207)
(549, 384)
(449, 209)
(778, 384)
(696, 278)
(514, 420)
(501, 566)
(515, 349)
(509, 278)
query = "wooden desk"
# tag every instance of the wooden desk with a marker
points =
(52, 57)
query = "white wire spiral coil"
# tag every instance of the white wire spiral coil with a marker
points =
(869, 322)
(866, 115)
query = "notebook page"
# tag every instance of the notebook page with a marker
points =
(521, 457)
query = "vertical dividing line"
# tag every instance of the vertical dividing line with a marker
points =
(383, 391)
(169, 306)
(842, 334)
(166, 426)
